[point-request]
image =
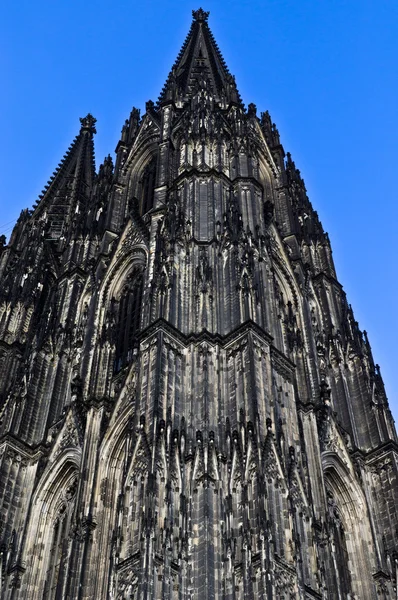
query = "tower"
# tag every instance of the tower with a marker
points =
(188, 406)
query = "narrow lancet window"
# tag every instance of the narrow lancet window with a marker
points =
(58, 553)
(128, 321)
(148, 183)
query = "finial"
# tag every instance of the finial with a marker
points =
(88, 122)
(252, 110)
(200, 15)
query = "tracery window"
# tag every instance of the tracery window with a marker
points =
(58, 552)
(339, 551)
(128, 320)
(148, 183)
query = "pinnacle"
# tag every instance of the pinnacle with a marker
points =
(88, 123)
(200, 15)
(77, 164)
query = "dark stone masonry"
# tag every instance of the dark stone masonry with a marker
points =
(188, 408)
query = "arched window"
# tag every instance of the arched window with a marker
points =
(128, 320)
(56, 565)
(340, 558)
(341, 555)
(58, 554)
(148, 183)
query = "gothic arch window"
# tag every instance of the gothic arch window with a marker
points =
(341, 554)
(128, 320)
(340, 576)
(57, 563)
(49, 529)
(147, 187)
(351, 557)
(288, 333)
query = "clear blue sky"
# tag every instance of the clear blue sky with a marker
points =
(325, 69)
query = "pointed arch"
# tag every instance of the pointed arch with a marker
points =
(47, 537)
(119, 304)
(114, 456)
(127, 313)
(141, 165)
(147, 184)
(289, 322)
(349, 528)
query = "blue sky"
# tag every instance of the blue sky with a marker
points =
(326, 71)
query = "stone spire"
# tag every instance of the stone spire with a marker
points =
(200, 64)
(68, 190)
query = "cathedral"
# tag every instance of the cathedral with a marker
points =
(188, 408)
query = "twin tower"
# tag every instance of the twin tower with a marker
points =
(188, 408)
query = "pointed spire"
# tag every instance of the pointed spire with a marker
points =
(200, 64)
(68, 190)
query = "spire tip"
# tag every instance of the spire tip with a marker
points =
(88, 122)
(200, 15)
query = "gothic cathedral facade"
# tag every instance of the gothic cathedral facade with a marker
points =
(188, 408)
